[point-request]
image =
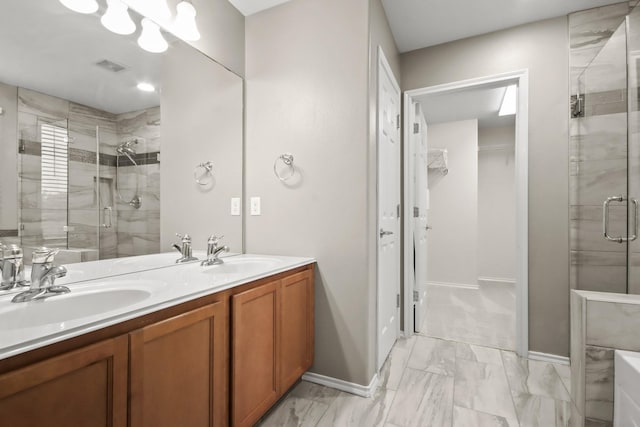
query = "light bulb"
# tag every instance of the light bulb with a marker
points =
(81, 6)
(185, 24)
(151, 39)
(117, 18)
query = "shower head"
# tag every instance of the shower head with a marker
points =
(125, 148)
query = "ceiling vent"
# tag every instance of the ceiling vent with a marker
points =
(111, 66)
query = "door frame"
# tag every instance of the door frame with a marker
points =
(521, 78)
(383, 66)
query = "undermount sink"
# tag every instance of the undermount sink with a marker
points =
(627, 389)
(79, 303)
(243, 264)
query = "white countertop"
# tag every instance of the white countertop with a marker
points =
(104, 293)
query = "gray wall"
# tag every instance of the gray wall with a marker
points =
(542, 48)
(307, 89)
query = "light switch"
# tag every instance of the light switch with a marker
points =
(255, 206)
(235, 206)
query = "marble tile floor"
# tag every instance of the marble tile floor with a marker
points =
(429, 382)
(482, 316)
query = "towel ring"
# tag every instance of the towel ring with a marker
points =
(287, 159)
(207, 168)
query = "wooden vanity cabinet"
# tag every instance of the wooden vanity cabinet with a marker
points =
(272, 343)
(173, 367)
(85, 387)
(178, 370)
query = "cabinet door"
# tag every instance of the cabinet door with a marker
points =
(296, 354)
(85, 387)
(255, 349)
(178, 370)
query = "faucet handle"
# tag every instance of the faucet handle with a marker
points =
(184, 238)
(213, 239)
(43, 255)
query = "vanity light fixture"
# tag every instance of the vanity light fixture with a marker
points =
(146, 87)
(117, 18)
(185, 24)
(509, 101)
(81, 6)
(151, 39)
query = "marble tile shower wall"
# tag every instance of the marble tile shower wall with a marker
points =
(139, 229)
(598, 146)
(43, 216)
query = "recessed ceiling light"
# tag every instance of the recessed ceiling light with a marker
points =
(146, 87)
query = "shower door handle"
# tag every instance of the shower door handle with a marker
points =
(107, 217)
(635, 220)
(605, 220)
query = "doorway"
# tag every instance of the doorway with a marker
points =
(465, 216)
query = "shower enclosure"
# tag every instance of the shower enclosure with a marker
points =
(89, 179)
(605, 165)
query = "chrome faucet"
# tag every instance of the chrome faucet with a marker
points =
(213, 251)
(43, 276)
(12, 266)
(185, 249)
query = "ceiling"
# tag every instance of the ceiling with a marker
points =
(249, 7)
(48, 48)
(421, 23)
(477, 103)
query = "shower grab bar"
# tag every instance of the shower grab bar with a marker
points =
(605, 219)
(107, 213)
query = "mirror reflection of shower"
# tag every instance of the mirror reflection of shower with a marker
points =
(126, 148)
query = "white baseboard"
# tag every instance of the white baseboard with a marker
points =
(545, 357)
(353, 388)
(453, 285)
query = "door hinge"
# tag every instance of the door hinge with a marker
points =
(416, 296)
(397, 300)
(416, 128)
(416, 211)
(398, 210)
(398, 121)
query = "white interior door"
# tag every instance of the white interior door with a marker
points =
(420, 216)
(388, 209)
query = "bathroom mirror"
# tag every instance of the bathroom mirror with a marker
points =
(85, 117)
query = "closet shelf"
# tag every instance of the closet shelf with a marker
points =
(437, 160)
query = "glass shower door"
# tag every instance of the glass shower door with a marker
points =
(599, 170)
(633, 64)
(43, 168)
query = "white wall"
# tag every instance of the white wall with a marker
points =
(201, 120)
(8, 148)
(496, 203)
(542, 48)
(307, 91)
(453, 205)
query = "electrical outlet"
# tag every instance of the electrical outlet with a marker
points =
(235, 206)
(255, 206)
